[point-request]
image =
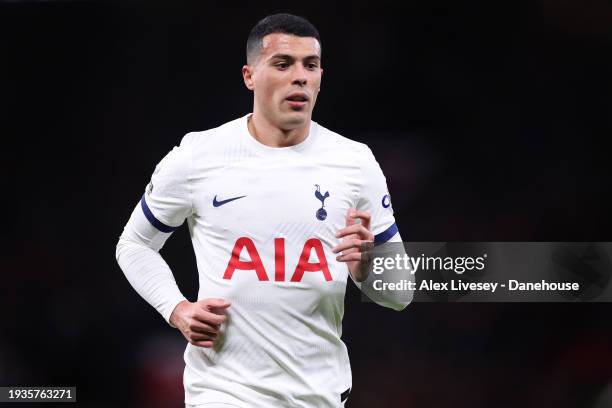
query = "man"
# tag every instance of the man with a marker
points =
(278, 208)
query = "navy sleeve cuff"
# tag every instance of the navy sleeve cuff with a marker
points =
(154, 221)
(386, 234)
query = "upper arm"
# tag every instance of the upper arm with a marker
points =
(166, 202)
(374, 197)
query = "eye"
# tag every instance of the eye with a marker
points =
(312, 66)
(282, 65)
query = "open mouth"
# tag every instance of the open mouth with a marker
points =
(297, 100)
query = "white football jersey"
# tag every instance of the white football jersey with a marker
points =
(263, 222)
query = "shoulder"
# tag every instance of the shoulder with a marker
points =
(333, 140)
(212, 137)
(195, 146)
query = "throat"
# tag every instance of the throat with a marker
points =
(274, 136)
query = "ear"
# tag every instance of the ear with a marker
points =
(247, 75)
(321, 79)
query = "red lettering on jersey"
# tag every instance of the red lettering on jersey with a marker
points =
(279, 259)
(305, 266)
(253, 264)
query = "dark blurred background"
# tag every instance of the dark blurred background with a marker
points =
(490, 119)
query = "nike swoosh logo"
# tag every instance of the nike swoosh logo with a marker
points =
(220, 203)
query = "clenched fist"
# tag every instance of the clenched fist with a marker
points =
(357, 241)
(200, 321)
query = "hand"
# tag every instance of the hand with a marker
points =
(357, 239)
(199, 321)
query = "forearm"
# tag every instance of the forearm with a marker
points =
(392, 299)
(396, 300)
(143, 266)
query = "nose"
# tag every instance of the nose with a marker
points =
(299, 76)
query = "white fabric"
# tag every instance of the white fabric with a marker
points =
(145, 269)
(281, 344)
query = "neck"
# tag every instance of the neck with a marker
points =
(271, 135)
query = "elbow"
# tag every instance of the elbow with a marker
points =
(400, 304)
(398, 307)
(121, 247)
(118, 248)
(394, 304)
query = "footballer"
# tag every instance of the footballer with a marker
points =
(278, 208)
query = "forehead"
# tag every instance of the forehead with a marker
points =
(281, 43)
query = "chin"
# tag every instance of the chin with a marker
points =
(296, 118)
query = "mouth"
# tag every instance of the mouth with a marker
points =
(297, 100)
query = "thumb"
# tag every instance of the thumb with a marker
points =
(216, 303)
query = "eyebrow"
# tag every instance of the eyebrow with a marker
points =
(291, 58)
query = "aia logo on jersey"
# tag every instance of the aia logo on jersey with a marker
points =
(321, 213)
(256, 265)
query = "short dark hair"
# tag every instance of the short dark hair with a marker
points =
(278, 23)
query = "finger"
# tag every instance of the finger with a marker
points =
(214, 303)
(351, 229)
(366, 257)
(350, 251)
(355, 256)
(203, 336)
(210, 318)
(198, 327)
(347, 244)
(364, 216)
(205, 343)
(367, 245)
(358, 229)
